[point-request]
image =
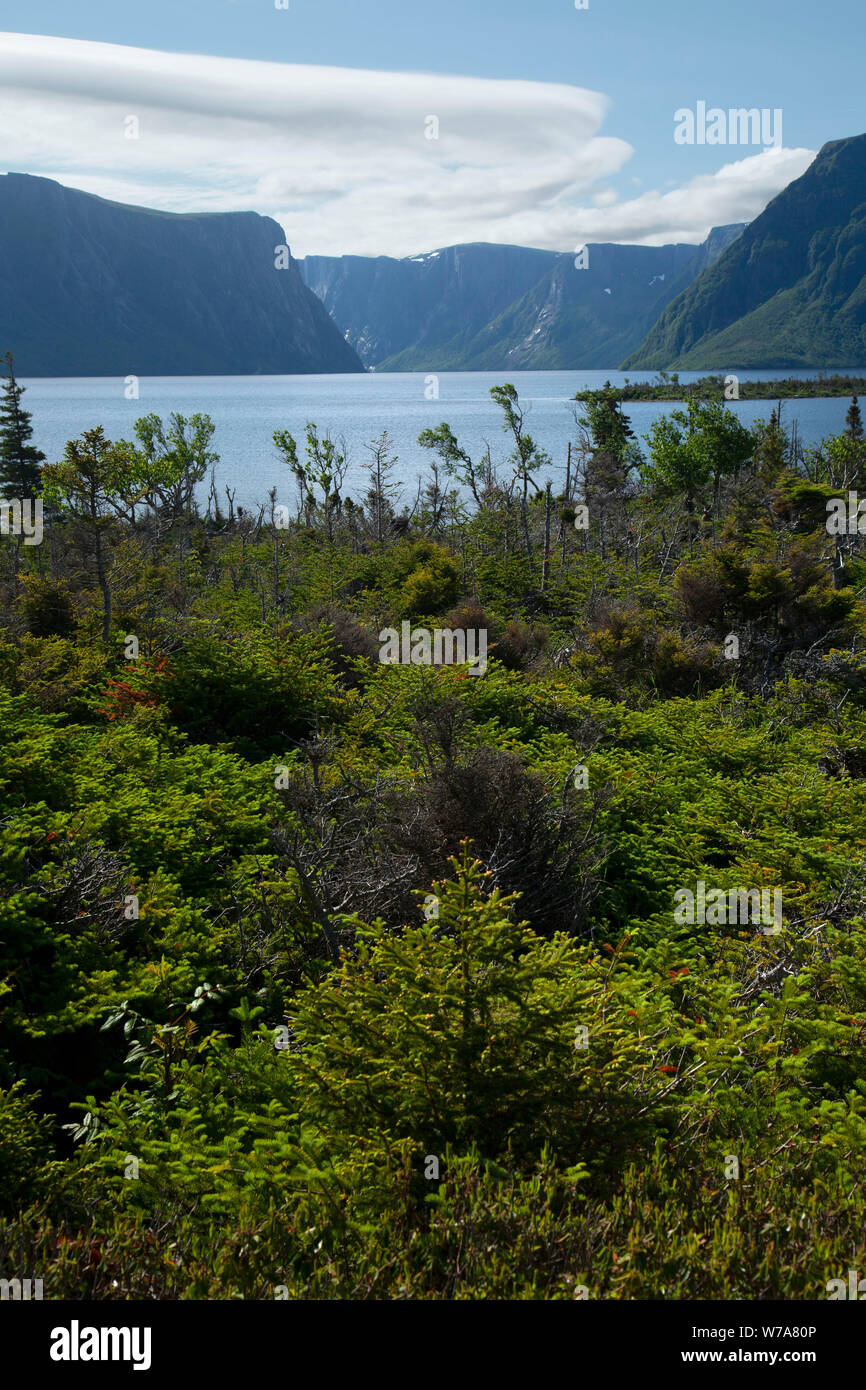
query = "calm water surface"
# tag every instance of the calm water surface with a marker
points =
(246, 411)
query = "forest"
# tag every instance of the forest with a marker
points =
(331, 976)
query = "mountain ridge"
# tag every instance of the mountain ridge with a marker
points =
(90, 287)
(791, 292)
(517, 307)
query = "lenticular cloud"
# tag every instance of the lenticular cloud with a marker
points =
(347, 160)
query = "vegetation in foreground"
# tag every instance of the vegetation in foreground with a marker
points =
(326, 978)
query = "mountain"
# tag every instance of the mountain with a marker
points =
(790, 292)
(584, 318)
(488, 307)
(94, 288)
(431, 304)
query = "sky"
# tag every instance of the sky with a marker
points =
(395, 127)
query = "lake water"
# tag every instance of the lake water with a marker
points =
(246, 411)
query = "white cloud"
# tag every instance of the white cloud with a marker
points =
(737, 192)
(339, 156)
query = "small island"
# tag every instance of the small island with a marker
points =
(668, 387)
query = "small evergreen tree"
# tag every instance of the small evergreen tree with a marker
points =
(771, 448)
(854, 420)
(462, 1031)
(382, 489)
(610, 453)
(607, 424)
(20, 461)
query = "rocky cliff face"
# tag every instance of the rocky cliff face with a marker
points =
(791, 291)
(584, 318)
(94, 288)
(422, 306)
(490, 308)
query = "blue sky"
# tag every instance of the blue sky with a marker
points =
(646, 60)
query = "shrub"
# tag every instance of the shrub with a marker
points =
(25, 1148)
(347, 641)
(521, 646)
(429, 578)
(47, 607)
(462, 1032)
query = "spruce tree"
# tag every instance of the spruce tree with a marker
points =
(771, 448)
(607, 423)
(610, 452)
(466, 1031)
(20, 461)
(854, 420)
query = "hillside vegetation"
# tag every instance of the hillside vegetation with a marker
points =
(323, 977)
(790, 292)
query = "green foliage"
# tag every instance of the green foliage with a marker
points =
(429, 579)
(25, 1149)
(47, 607)
(20, 461)
(290, 1032)
(258, 690)
(95, 480)
(173, 459)
(607, 423)
(689, 447)
(462, 1032)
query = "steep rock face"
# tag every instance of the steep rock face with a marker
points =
(427, 306)
(94, 288)
(587, 318)
(489, 308)
(791, 291)
(718, 241)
